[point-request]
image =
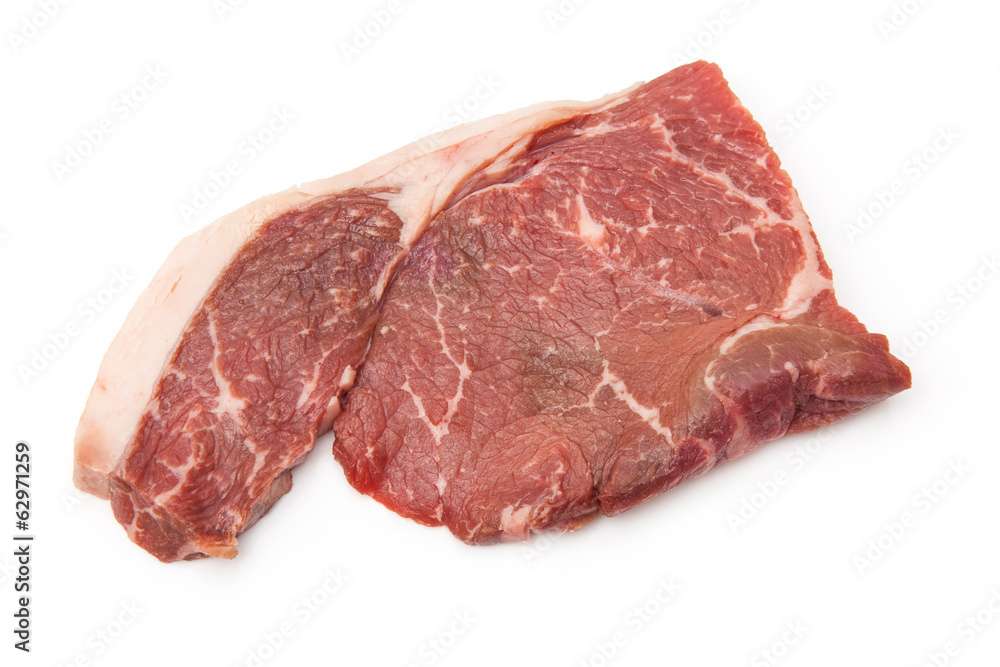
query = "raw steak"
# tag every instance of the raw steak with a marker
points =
(634, 298)
(609, 297)
(233, 359)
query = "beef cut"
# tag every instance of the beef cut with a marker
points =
(635, 298)
(544, 316)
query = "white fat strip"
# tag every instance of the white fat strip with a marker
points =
(759, 323)
(556, 487)
(180, 472)
(590, 230)
(438, 431)
(347, 377)
(464, 372)
(600, 129)
(309, 386)
(809, 281)
(421, 413)
(649, 415)
(228, 403)
(260, 457)
(514, 521)
(132, 529)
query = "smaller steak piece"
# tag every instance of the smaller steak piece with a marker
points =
(254, 376)
(634, 298)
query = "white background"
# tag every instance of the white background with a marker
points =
(880, 98)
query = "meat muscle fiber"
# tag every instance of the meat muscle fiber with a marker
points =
(544, 316)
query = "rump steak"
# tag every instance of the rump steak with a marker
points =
(557, 312)
(635, 298)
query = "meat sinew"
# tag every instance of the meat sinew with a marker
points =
(556, 313)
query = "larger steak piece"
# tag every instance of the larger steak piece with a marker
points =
(633, 299)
